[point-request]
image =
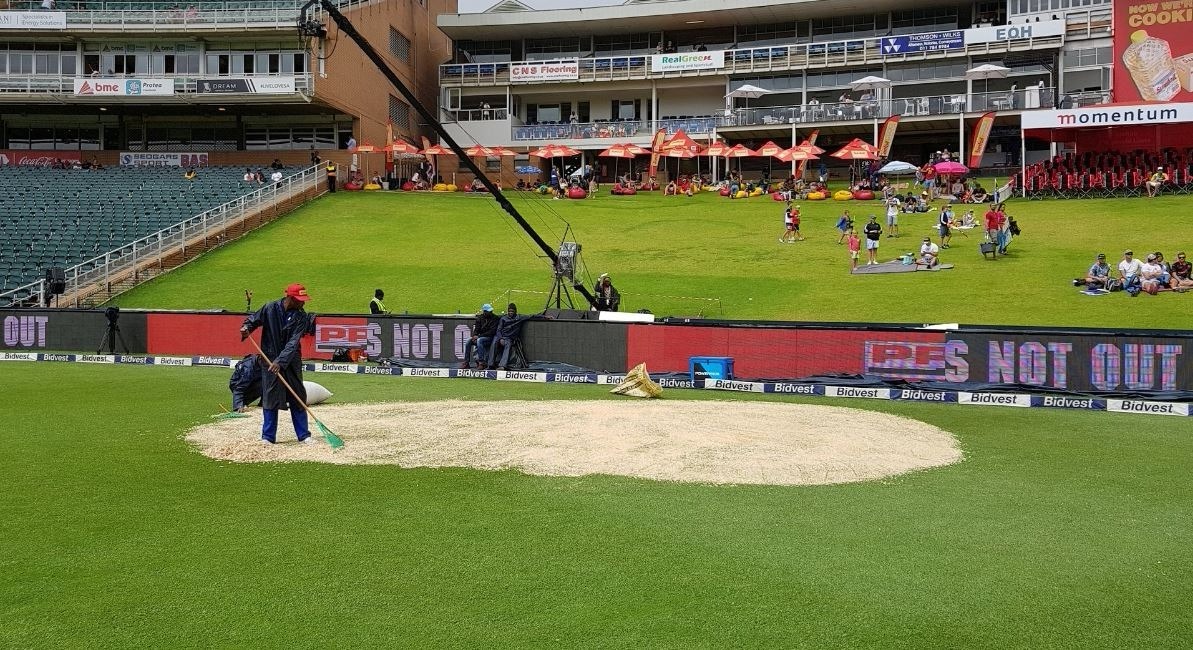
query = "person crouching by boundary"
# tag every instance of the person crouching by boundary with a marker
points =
(283, 323)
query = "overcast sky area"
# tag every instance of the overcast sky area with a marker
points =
(477, 6)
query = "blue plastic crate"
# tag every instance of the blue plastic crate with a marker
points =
(710, 367)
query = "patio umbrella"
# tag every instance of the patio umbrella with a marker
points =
(795, 154)
(871, 83)
(554, 151)
(740, 151)
(477, 151)
(810, 148)
(746, 92)
(636, 150)
(615, 152)
(718, 149)
(401, 147)
(681, 140)
(502, 152)
(950, 168)
(987, 71)
(856, 149)
(769, 149)
(896, 167)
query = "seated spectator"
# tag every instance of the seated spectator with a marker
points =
(1165, 271)
(276, 164)
(1156, 181)
(671, 189)
(1129, 270)
(249, 176)
(1150, 275)
(1182, 273)
(1098, 275)
(505, 337)
(259, 176)
(476, 186)
(276, 177)
(929, 254)
(607, 296)
(420, 183)
(483, 329)
(376, 180)
(521, 185)
(190, 174)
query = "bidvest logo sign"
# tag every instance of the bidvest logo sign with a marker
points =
(688, 61)
(547, 71)
(97, 87)
(1109, 115)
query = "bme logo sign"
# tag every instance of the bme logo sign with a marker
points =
(124, 87)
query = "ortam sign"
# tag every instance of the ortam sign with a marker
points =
(547, 71)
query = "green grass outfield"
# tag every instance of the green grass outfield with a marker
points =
(1060, 529)
(435, 253)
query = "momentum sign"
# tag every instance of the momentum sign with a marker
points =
(687, 61)
(95, 86)
(1109, 115)
(546, 71)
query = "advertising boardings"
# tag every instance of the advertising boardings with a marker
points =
(688, 61)
(97, 87)
(18, 158)
(247, 85)
(146, 159)
(32, 20)
(1153, 51)
(545, 71)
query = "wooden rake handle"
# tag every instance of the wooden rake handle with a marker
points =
(281, 378)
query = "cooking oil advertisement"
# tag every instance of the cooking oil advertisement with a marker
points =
(1153, 51)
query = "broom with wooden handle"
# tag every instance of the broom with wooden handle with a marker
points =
(332, 439)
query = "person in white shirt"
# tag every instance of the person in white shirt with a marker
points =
(1129, 270)
(1150, 274)
(892, 218)
(276, 176)
(929, 253)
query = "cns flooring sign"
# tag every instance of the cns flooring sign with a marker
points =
(32, 20)
(99, 87)
(247, 85)
(164, 159)
(545, 71)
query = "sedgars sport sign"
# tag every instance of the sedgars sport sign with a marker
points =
(688, 61)
(545, 71)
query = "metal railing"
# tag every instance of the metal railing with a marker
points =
(478, 114)
(304, 83)
(189, 18)
(104, 269)
(775, 58)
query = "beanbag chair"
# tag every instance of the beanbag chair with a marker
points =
(408, 186)
(842, 195)
(863, 195)
(724, 191)
(757, 192)
(576, 193)
(372, 187)
(741, 194)
(352, 187)
(316, 394)
(439, 187)
(816, 196)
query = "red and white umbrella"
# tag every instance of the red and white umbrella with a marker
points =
(681, 141)
(555, 151)
(402, 147)
(795, 154)
(718, 149)
(857, 149)
(740, 151)
(769, 149)
(477, 151)
(618, 151)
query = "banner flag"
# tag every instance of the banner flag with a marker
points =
(977, 141)
(799, 170)
(886, 137)
(655, 145)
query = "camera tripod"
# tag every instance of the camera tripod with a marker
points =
(560, 294)
(112, 334)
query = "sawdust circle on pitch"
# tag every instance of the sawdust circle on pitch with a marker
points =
(719, 442)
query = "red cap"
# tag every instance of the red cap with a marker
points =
(297, 292)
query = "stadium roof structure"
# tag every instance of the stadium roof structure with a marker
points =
(507, 20)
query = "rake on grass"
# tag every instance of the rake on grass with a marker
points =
(332, 439)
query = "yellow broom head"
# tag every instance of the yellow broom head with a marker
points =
(638, 384)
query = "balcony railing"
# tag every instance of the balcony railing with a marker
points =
(59, 85)
(758, 59)
(478, 114)
(1032, 98)
(111, 16)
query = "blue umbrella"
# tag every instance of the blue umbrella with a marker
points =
(528, 169)
(898, 167)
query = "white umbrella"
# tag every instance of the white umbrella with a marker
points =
(898, 167)
(748, 92)
(870, 83)
(987, 71)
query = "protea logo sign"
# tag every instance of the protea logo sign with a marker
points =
(688, 61)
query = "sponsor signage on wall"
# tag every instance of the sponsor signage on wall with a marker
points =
(687, 61)
(1153, 51)
(32, 20)
(1109, 115)
(545, 71)
(930, 42)
(163, 159)
(18, 158)
(1042, 29)
(100, 87)
(249, 85)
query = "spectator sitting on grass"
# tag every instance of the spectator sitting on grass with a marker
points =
(1129, 270)
(1150, 275)
(1165, 271)
(1182, 273)
(1098, 275)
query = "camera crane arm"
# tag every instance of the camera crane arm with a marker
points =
(349, 29)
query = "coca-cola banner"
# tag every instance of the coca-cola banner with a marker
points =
(37, 158)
